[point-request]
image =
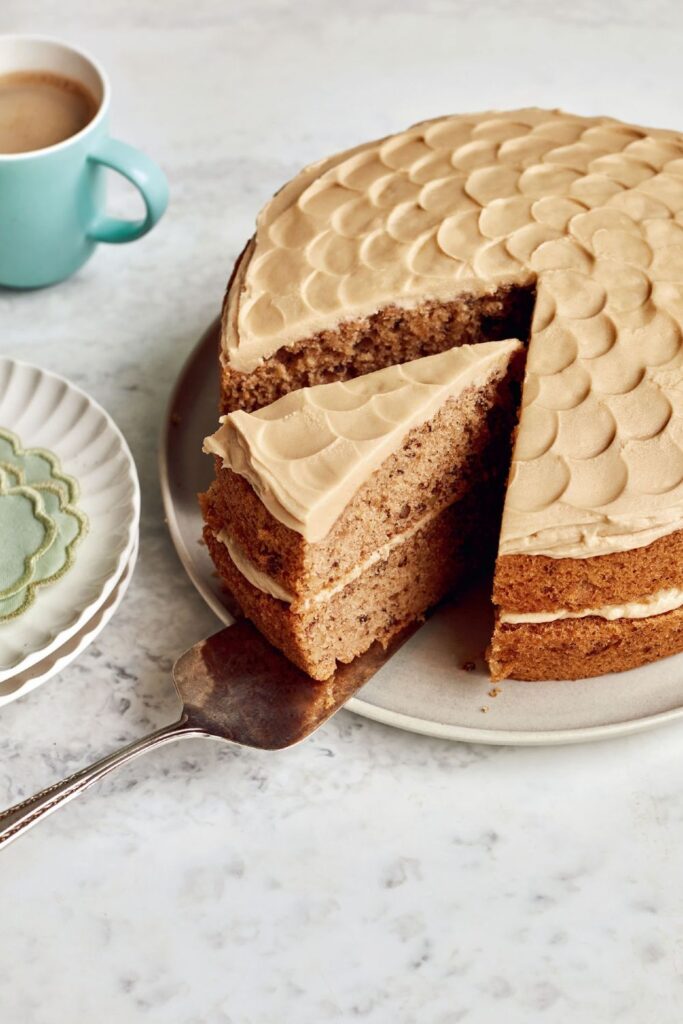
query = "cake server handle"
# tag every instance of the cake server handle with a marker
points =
(22, 816)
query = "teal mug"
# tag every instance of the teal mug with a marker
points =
(52, 200)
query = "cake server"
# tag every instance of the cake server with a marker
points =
(233, 686)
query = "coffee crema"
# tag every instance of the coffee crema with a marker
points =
(40, 108)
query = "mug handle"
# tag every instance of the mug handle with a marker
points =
(147, 177)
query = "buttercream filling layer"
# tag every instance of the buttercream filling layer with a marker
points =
(267, 585)
(656, 604)
(662, 601)
(259, 579)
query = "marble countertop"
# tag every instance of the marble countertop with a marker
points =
(367, 874)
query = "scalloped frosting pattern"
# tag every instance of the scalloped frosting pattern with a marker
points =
(309, 452)
(589, 208)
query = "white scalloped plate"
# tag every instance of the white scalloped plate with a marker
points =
(23, 682)
(424, 688)
(46, 411)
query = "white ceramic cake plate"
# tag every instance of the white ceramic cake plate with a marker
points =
(23, 682)
(46, 411)
(425, 688)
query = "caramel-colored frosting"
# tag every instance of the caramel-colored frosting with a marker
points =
(308, 453)
(591, 209)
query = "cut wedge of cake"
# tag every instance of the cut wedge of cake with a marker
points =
(344, 511)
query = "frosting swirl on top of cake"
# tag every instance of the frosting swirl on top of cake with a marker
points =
(591, 209)
(308, 453)
(462, 203)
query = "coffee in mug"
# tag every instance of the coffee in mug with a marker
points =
(55, 154)
(40, 108)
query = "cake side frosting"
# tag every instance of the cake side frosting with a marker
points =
(308, 453)
(589, 208)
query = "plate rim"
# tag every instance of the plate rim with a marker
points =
(366, 709)
(510, 737)
(83, 615)
(165, 433)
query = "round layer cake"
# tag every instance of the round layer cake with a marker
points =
(564, 231)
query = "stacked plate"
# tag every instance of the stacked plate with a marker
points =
(47, 412)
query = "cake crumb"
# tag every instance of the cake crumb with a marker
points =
(494, 691)
(468, 666)
(484, 709)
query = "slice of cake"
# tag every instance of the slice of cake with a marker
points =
(344, 511)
